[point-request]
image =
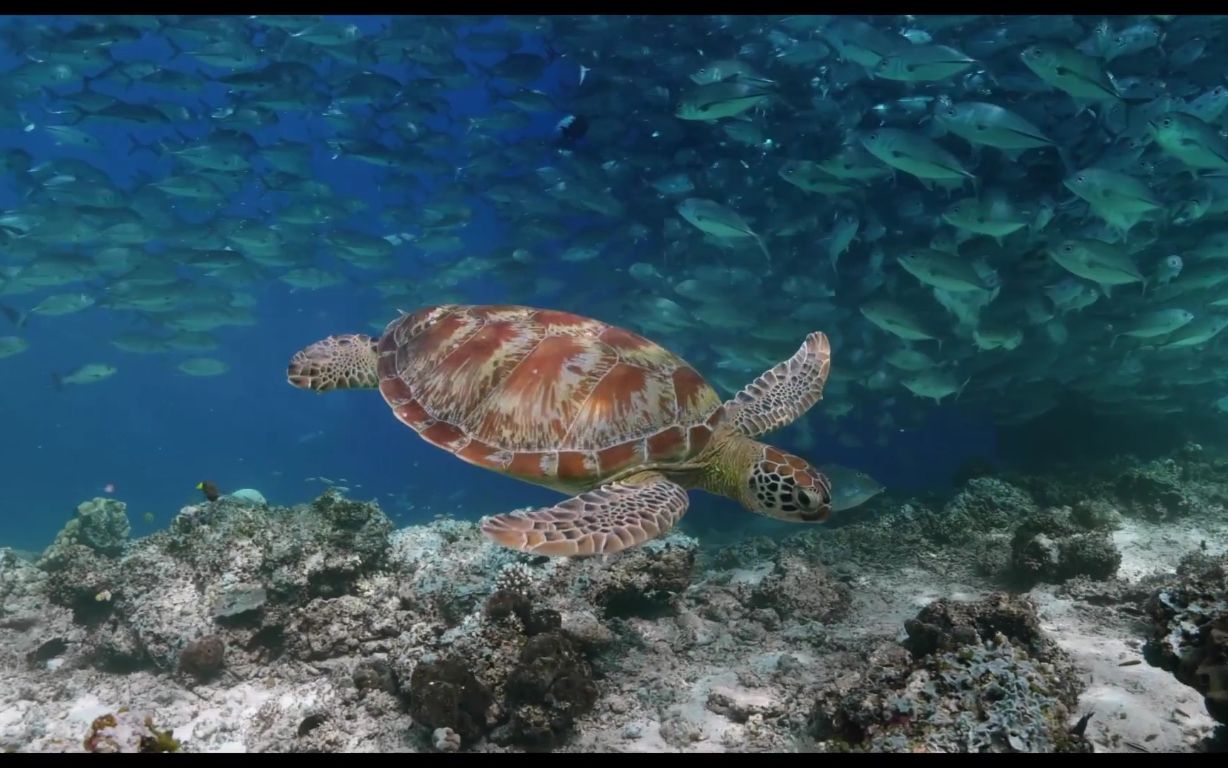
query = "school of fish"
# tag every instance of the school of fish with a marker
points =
(1002, 211)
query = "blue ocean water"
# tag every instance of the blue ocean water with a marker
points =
(153, 433)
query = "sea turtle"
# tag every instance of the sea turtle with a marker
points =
(585, 408)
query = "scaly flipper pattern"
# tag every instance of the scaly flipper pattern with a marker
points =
(603, 521)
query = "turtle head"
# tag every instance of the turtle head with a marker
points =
(786, 487)
(338, 362)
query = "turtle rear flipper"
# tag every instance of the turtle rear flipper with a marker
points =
(603, 521)
(338, 362)
(784, 392)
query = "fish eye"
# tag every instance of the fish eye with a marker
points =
(951, 112)
(1080, 178)
(873, 137)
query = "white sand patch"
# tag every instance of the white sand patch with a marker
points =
(1140, 703)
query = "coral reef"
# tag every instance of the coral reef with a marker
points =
(126, 731)
(1155, 491)
(646, 581)
(247, 627)
(984, 505)
(1190, 636)
(82, 560)
(444, 694)
(977, 677)
(101, 525)
(1051, 547)
(550, 687)
(1188, 482)
(946, 625)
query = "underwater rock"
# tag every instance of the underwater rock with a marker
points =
(80, 578)
(1154, 491)
(81, 562)
(503, 604)
(740, 705)
(203, 658)
(443, 693)
(646, 580)
(747, 553)
(375, 675)
(112, 646)
(1050, 547)
(982, 698)
(548, 690)
(1096, 515)
(329, 628)
(984, 505)
(963, 686)
(801, 589)
(318, 549)
(1190, 635)
(270, 563)
(586, 631)
(946, 625)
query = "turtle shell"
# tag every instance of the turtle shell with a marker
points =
(544, 396)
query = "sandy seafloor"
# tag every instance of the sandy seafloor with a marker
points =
(733, 658)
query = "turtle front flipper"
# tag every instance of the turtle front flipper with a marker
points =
(783, 393)
(338, 362)
(602, 521)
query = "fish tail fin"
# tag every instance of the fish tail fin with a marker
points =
(110, 72)
(156, 147)
(176, 49)
(16, 317)
(960, 391)
(763, 247)
(1063, 156)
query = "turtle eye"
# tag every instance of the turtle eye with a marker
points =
(803, 498)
